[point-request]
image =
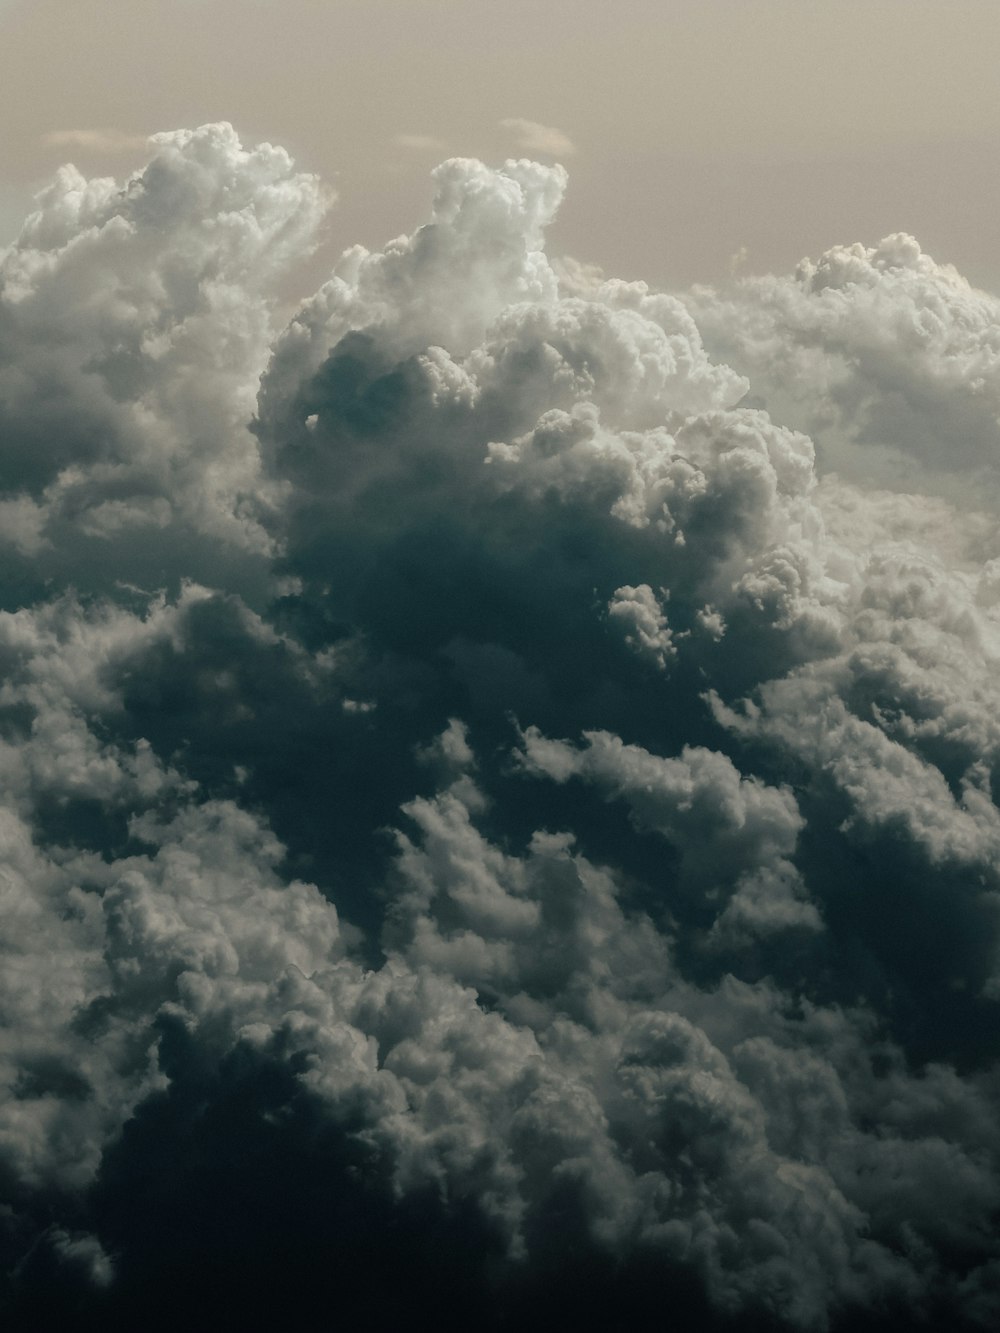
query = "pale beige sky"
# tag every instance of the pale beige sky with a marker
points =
(700, 126)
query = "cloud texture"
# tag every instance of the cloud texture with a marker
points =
(490, 806)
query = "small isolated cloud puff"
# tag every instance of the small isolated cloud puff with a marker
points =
(642, 620)
(536, 138)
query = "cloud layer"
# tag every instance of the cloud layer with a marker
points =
(489, 804)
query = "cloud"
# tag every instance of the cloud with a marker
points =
(96, 141)
(133, 331)
(484, 800)
(536, 138)
(419, 143)
(644, 623)
(883, 354)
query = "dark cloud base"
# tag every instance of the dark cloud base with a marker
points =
(497, 778)
(232, 1202)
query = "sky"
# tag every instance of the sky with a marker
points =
(500, 642)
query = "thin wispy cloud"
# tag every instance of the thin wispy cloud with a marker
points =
(95, 140)
(420, 143)
(536, 138)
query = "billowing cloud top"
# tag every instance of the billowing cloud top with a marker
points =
(488, 805)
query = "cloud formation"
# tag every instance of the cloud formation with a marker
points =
(489, 804)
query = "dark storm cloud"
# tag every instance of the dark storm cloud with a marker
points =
(497, 817)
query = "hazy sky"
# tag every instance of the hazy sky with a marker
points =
(781, 126)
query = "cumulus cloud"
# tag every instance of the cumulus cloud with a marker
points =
(133, 324)
(498, 794)
(887, 356)
(643, 622)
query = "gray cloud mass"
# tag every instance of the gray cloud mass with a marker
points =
(499, 776)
